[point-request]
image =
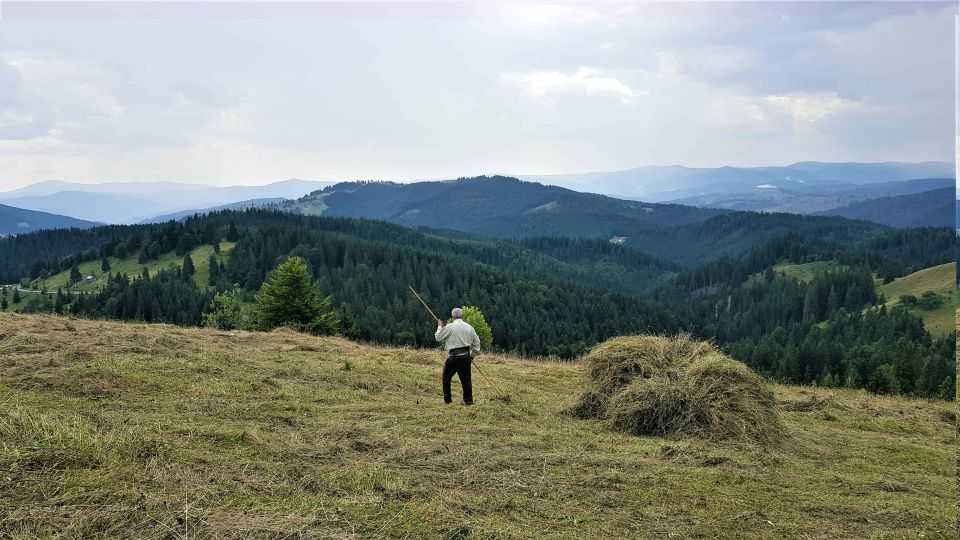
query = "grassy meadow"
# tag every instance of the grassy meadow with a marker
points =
(116, 430)
(940, 279)
(130, 266)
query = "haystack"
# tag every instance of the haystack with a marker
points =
(653, 385)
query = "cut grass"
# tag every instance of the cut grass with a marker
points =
(155, 431)
(940, 279)
(130, 266)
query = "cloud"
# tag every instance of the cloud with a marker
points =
(550, 85)
(813, 107)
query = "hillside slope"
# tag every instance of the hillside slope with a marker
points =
(497, 206)
(934, 208)
(941, 280)
(152, 431)
(200, 256)
(21, 221)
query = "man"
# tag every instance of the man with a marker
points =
(460, 341)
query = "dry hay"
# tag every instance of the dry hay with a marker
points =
(652, 385)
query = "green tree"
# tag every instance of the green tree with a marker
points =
(4, 304)
(188, 268)
(226, 311)
(884, 380)
(214, 270)
(75, 274)
(16, 296)
(290, 296)
(105, 265)
(233, 234)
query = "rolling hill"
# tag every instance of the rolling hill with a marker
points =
(504, 207)
(811, 198)
(496, 206)
(240, 205)
(21, 221)
(935, 208)
(200, 256)
(111, 428)
(941, 280)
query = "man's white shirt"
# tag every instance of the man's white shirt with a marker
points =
(458, 334)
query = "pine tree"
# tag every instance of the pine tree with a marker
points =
(105, 265)
(233, 234)
(75, 274)
(290, 296)
(188, 268)
(214, 270)
(4, 304)
(16, 296)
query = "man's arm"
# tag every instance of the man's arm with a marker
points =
(442, 332)
(475, 343)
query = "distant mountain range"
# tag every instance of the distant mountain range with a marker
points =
(802, 188)
(935, 208)
(130, 202)
(675, 182)
(812, 198)
(20, 221)
(241, 205)
(497, 206)
(502, 207)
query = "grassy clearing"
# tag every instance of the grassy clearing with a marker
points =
(804, 272)
(153, 431)
(130, 266)
(940, 279)
(807, 271)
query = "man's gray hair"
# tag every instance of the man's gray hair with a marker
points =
(456, 313)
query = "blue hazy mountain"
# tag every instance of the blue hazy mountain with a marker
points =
(131, 202)
(20, 221)
(668, 183)
(935, 208)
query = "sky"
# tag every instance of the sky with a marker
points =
(431, 90)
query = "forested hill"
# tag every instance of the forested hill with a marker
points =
(497, 206)
(542, 296)
(19, 221)
(934, 208)
(502, 207)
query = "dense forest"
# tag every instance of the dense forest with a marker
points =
(542, 296)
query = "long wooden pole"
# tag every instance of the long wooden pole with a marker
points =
(482, 374)
(422, 302)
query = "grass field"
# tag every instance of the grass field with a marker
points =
(939, 279)
(117, 430)
(130, 266)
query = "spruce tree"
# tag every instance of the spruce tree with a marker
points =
(290, 296)
(214, 270)
(188, 268)
(16, 296)
(233, 234)
(105, 265)
(75, 274)
(4, 304)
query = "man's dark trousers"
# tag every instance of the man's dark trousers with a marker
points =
(458, 362)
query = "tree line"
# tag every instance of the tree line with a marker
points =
(824, 331)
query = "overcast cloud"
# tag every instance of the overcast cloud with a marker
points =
(536, 89)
